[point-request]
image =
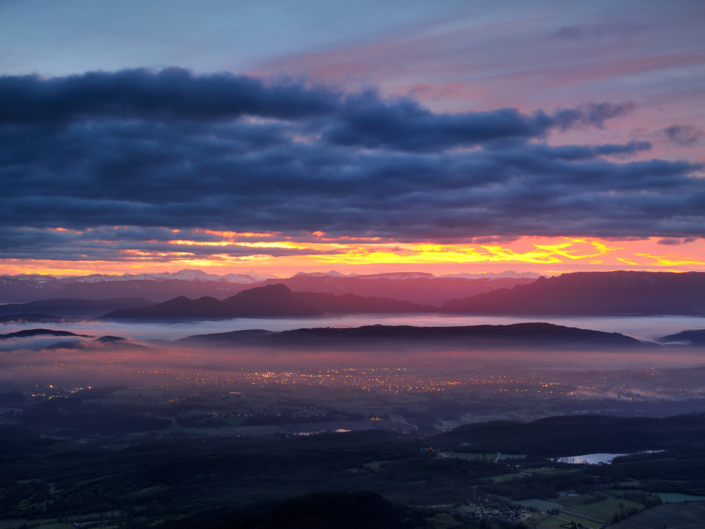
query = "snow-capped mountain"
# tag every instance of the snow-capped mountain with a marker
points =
(496, 275)
(182, 275)
(397, 276)
(332, 273)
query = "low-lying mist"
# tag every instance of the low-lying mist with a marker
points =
(83, 362)
(641, 327)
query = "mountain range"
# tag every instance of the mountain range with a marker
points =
(264, 302)
(575, 294)
(422, 288)
(579, 294)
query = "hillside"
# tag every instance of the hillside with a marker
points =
(593, 293)
(521, 336)
(31, 333)
(424, 289)
(694, 338)
(573, 435)
(86, 308)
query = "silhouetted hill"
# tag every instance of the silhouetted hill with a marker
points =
(33, 318)
(423, 290)
(86, 308)
(30, 333)
(263, 302)
(594, 293)
(521, 336)
(695, 338)
(150, 289)
(577, 435)
(112, 343)
(75, 341)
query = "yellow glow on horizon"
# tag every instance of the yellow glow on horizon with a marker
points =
(437, 253)
(365, 255)
(671, 261)
(632, 263)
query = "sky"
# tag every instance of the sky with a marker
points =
(365, 137)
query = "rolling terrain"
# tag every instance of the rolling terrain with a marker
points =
(522, 336)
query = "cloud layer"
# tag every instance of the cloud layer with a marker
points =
(169, 150)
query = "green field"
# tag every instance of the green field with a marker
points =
(666, 515)
(53, 523)
(489, 456)
(604, 510)
(374, 465)
(560, 521)
(673, 497)
(507, 477)
(542, 505)
(637, 492)
(570, 501)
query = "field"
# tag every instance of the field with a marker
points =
(672, 497)
(159, 458)
(603, 510)
(540, 504)
(690, 515)
(560, 520)
(488, 456)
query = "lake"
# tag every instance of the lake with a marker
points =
(596, 459)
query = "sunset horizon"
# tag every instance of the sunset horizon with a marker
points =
(331, 154)
(384, 264)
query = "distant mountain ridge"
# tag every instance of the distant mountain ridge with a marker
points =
(182, 275)
(695, 338)
(579, 294)
(275, 300)
(424, 289)
(520, 336)
(416, 287)
(593, 293)
(86, 308)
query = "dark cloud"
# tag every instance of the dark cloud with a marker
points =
(169, 94)
(370, 122)
(683, 134)
(569, 33)
(150, 153)
(116, 243)
(670, 241)
(591, 114)
(363, 119)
